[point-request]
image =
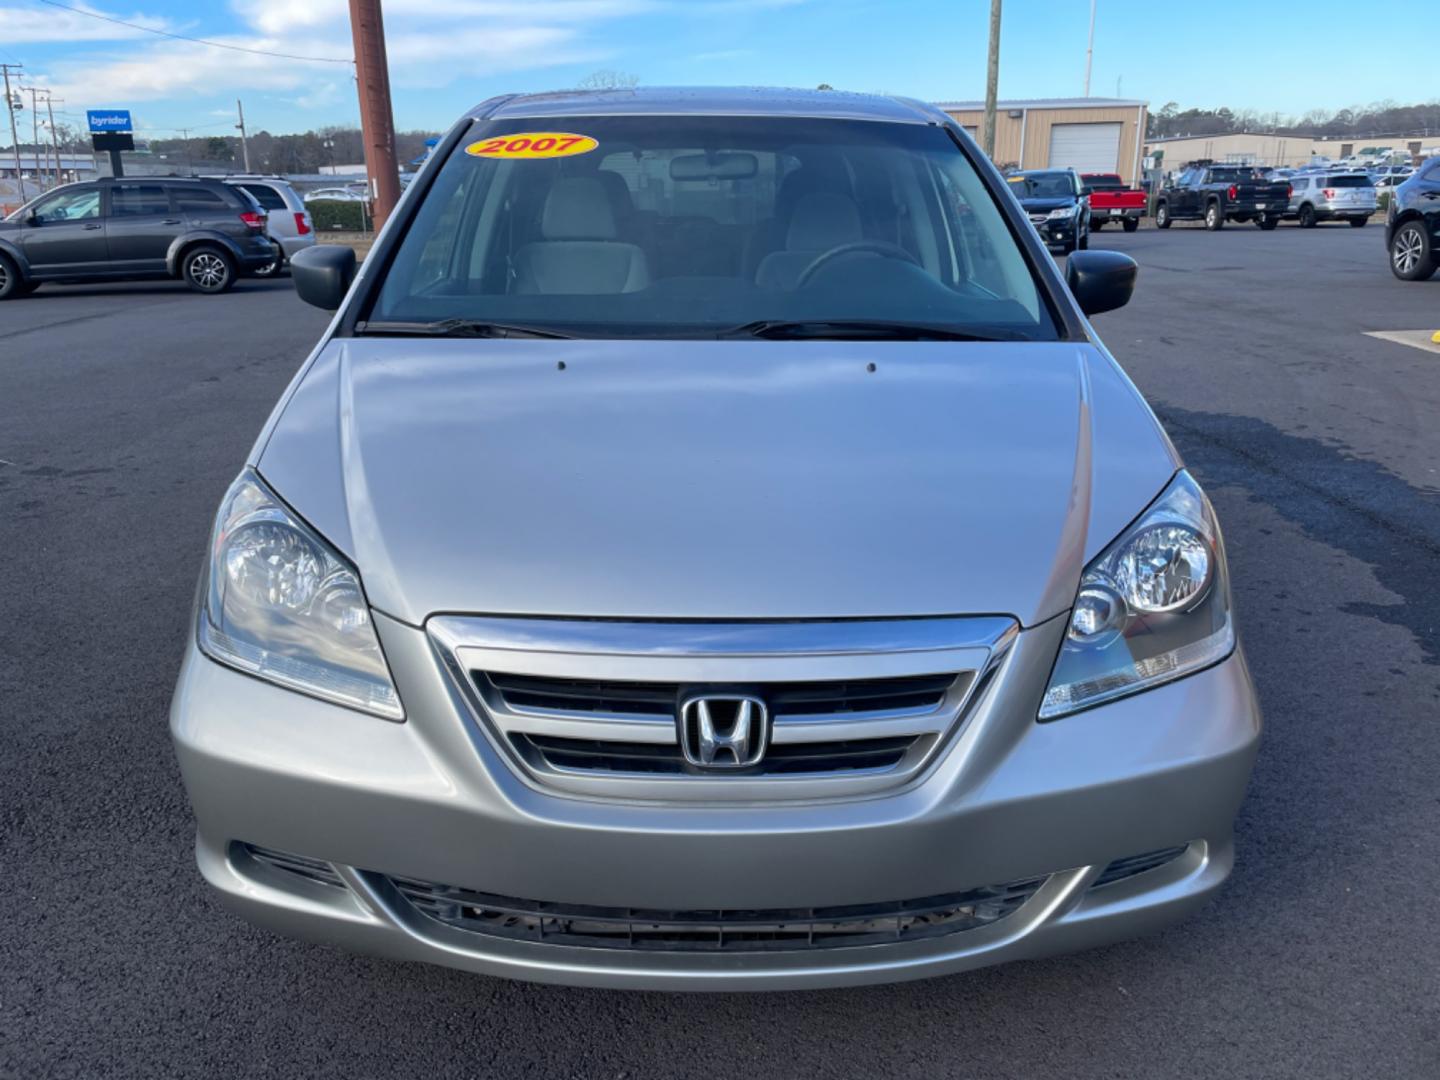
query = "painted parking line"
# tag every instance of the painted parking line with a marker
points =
(1429, 340)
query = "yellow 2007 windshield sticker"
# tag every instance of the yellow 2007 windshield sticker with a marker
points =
(533, 144)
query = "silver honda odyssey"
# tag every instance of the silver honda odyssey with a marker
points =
(710, 549)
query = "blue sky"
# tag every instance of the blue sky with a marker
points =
(448, 54)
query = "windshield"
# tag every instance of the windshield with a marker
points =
(1042, 186)
(654, 226)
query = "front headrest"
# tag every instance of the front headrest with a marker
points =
(823, 220)
(578, 208)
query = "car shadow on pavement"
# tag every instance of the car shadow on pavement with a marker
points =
(51, 291)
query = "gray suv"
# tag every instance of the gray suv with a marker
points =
(1328, 196)
(710, 548)
(201, 231)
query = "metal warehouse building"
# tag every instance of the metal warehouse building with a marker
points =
(1084, 134)
(1254, 148)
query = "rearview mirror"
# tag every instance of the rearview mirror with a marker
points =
(322, 274)
(727, 166)
(1100, 280)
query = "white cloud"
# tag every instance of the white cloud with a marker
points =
(431, 44)
(32, 25)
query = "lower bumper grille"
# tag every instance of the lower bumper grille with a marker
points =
(715, 931)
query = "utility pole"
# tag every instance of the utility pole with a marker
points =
(54, 136)
(14, 135)
(35, 137)
(377, 121)
(244, 142)
(1090, 49)
(185, 136)
(992, 80)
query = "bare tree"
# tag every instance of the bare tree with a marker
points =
(608, 79)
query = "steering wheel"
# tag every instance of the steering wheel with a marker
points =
(874, 247)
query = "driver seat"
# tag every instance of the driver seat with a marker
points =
(821, 220)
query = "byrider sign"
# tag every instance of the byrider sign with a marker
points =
(108, 120)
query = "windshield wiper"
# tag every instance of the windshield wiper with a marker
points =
(853, 330)
(457, 328)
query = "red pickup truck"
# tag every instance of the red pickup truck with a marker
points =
(1111, 200)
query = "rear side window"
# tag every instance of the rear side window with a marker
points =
(265, 195)
(1348, 181)
(135, 200)
(198, 198)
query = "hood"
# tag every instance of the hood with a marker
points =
(1046, 204)
(716, 480)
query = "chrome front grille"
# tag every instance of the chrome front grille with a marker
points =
(714, 931)
(592, 707)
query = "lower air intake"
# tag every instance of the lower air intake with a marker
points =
(1128, 867)
(715, 931)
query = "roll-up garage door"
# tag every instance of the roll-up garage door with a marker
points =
(1085, 147)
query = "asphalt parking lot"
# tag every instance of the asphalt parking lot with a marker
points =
(125, 411)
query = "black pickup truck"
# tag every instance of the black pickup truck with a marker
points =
(1216, 194)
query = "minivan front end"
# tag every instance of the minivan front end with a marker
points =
(710, 551)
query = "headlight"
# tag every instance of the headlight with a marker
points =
(1153, 606)
(281, 605)
(1060, 212)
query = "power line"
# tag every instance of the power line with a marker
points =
(195, 40)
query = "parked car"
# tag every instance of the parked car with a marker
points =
(1412, 224)
(288, 222)
(1057, 205)
(1216, 194)
(201, 231)
(337, 194)
(1111, 200)
(1328, 196)
(713, 569)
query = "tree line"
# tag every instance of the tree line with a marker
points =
(1380, 118)
(303, 153)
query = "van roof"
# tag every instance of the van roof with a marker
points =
(711, 101)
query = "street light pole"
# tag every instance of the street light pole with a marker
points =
(992, 80)
(377, 122)
(1090, 50)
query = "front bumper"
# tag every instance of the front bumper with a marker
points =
(432, 799)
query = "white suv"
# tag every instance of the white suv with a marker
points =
(289, 222)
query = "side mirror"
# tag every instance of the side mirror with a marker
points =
(322, 274)
(1085, 191)
(1100, 280)
(31, 218)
